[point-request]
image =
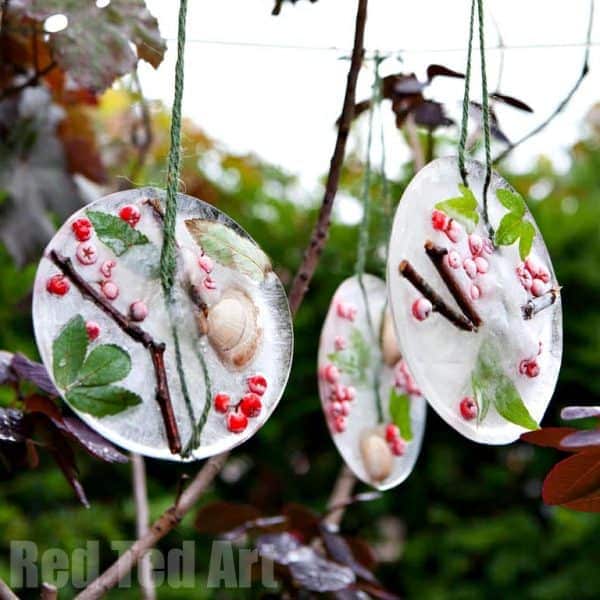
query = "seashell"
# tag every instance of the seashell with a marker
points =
(389, 343)
(231, 326)
(376, 454)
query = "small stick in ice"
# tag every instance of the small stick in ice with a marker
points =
(436, 254)
(535, 305)
(439, 305)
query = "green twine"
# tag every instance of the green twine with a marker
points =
(168, 257)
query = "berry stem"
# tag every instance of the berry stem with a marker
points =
(136, 333)
(439, 305)
(436, 254)
(535, 305)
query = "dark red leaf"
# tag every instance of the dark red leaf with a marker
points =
(441, 71)
(92, 442)
(363, 553)
(588, 503)
(514, 102)
(27, 369)
(221, 517)
(548, 437)
(13, 426)
(43, 405)
(572, 479)
(302, 521)
(571, 413)
(431, 114)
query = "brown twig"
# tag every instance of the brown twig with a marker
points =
(436, 254)
(6, 593)
(321, 228)
(277, 8)
(342, 492)
(136, 333)
(48, 592)
(412, 134)
(439, 305)
(536, 305)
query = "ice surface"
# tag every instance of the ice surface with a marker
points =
(140, 429)
(440, 356)
(363, 416)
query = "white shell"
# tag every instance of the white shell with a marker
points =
(140, 428)
(355, 443)
(440, 356)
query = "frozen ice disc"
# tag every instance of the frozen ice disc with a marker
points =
(375, 413)
(494, 381)
(229, 315)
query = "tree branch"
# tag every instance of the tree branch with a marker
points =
(136, 333)
(49, 592)
(535, 305)
(342, 492)
(6, 593)
(321, 228)
(439, 304)
(436, 254)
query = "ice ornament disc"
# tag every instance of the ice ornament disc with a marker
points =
(376, 414)
(494, 382)
(229, 312)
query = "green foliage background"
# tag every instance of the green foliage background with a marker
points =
(468, 524)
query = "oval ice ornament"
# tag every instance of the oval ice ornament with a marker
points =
(479, 324)
(374, 410)
(220, 357)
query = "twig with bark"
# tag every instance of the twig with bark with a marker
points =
(136, 333)
(6, 593)
(535, 305)
(342, 492)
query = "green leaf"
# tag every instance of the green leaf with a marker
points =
(400, 413)
(103, 400)
(509, 231)
(355, 360)
(118, 235)
(105, 364)
(462, 208)
(229, 248)
(491, 386)
(526, 239)
(68, 351)
(513, 201)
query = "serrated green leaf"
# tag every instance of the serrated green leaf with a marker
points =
(509, 230)
(526, 239)
(355, 359)
(101, 401)
(512, 201)
(492, 387)
(229, 248)
(105, 364)
(399, 405)
(462, 208)
(118, 235)
(68, 351)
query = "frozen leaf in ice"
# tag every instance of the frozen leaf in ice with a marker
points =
(102, 400)
(400, 413)
(105, 364)
(68, 351)
(117, 234)
(463, 208)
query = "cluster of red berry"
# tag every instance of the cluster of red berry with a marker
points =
(248, 407)
(340, 395)
(534, 276)
(205, 262)
(394, 439)
(530, 366)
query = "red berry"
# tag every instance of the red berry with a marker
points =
(221, 402)
(236, 421)
(453, 258)
(86, 253)
(452, 231)
(475, 244)
(532, 369)
(524, 276)
(539, 288)
(330, 373)
(481, 264)
(131, 214)
(58, 285)
(107, 267)
(209, 283)
(421, 309)
(468, 408)
(398, 446)
(439, 220)
(340, 343)
(257, 384)
(470, 268)
(251, 405)
(110, 289)
(391, 432)
(339, 424)
(82, 228)
(138, 310)
(206, 263)
(475, 292)
(93, 330)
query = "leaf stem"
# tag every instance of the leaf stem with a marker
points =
(136, 333)
(535, 305)
(439, 305)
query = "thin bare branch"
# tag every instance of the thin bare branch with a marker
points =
(414, 142)
(342, 492)
(6, 593)
(48, 592)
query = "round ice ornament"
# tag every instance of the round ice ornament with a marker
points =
(167, 380)
(487, 356)
(375, 412)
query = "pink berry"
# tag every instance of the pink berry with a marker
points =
(475, 292)
(93, 330)
(331, 373)
(110, 289)
(138, 310)
(475, 244)
(470, 268)
(439, 220)
(421, 309)
(453, 231)
(532, 369)
(524, 276)
(345, 408)
(58, 285)
(339, 391)
(468, 408)
(206, 263)
(346, 310)
(251, 405)
(237, 421)
(221, 402)
(488, 247)
(539, 288)
(350, 393)
(398, 446)
(131, 214)
(82, 228)
(335, 408)
(340, 343)
(391, 432)
(453, 258)
(481, 264)
(209, 283)
(523, 366)
(257, 384)
(339, 424)
(86, 253)
(107, 267)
